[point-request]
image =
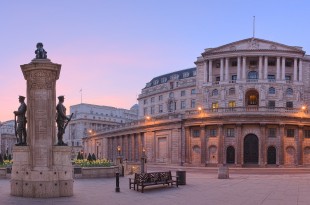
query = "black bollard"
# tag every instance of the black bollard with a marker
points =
(117, 189)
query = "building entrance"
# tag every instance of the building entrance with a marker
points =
(250, 148)
(271, 155)
(230, 155)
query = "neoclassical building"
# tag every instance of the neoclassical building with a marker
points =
(245, 103)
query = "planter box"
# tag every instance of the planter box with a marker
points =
(96, 172)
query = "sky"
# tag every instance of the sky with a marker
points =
(111, 48)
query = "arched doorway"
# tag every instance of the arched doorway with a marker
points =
(252, 99)
(250, 149)
(230, 155)
(271, 155)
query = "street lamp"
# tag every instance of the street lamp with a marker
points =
(119, 150)
(143, 160)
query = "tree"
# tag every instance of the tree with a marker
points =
(1, 159)
(78, 156)
(10, 157)
(93, 157)
(5, 157)
(89, 158)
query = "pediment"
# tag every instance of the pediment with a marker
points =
(254, 44)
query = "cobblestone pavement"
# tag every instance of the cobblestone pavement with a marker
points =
(201, 188)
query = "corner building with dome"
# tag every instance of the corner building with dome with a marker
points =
(244, 103)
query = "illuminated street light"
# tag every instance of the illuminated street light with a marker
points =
(148, 117)
(199, 108)
(303, 107)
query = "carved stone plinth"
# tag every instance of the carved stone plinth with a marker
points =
(41, 170)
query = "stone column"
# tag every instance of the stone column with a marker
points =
(283, 68)
(299, 143)
(281, 147)
(203, 144)
(220, 145)
(205, 80)
(222, 70)
(278, 69)
(187, 145)
(132, 136)
(41, 170)
(239, 144)
(238, 67)
(226, 69)
(295, 69)
(300, 70)
(183, 145)
(260, 67)
(266, 68)
(243, 68)
(210, 72)
(262, 145)
(140, 146)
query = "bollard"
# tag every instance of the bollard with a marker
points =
(117, 189)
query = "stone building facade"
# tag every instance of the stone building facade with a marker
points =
(7, 137)
(250, 107)
(88, 119)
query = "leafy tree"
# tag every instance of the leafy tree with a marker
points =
(79, 155)
(89, 158)
(1, 159)
(93, 157)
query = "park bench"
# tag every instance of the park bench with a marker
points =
(151, 179)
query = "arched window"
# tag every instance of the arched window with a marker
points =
(272, 90)
(232, 91)
(289, 91)
(252, 75)
(215, 92)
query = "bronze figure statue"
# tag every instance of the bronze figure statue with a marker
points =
(20, 122)
(62, 120)
(40, 52)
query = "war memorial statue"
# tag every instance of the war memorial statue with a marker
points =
(20, 122)
(62, 120)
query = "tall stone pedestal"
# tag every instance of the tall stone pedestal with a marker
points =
(40, 169)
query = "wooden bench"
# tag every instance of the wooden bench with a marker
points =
(150, 179)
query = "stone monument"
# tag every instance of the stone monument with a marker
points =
(41, 169)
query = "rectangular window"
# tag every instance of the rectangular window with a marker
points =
(152, 110)
(193, 91)
(212, 132)
(271, 62)
(217, 79)
(230, 132)
(171, 85)
(290, 132)
(272, 132)
(288, 63)
(183, 105)
(160, 108)
(289, 105)
(253, 62)
(182, 92)
(152, 99)
(233, 63)
(196, 133)
(234, 77)
(232, 104)
(271, 77)
(145, 111)
(307, 133)
(288, 77)
(145, 101)
(160, 98)
(271, 104)
(215, 106)
(193, 103)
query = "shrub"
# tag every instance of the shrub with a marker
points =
(94, 163)
(93, 157)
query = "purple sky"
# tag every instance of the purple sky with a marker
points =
(110, 49)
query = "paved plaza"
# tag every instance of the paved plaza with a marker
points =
(202, 187)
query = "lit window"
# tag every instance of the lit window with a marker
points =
(215, 105)
(231, 104)
(253, 100)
